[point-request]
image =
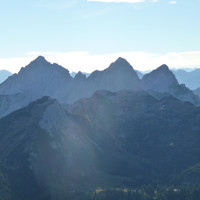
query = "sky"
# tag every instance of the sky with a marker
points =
(84, 35)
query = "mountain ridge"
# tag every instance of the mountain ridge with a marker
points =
(41, 78)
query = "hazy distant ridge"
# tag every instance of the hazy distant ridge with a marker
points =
(4, 74)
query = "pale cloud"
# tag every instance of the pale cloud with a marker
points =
(14, 64)
(86, 62)
(97, 13)
(57, 5)
(124, 1)
(119, 1)
(172, 2)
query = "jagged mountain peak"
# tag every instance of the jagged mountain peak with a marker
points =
(118, 76)
(41, 65)
(163, 71)
(40, 59)
(121, 64)
(38, 78)
(159, 79)
(163, 67)
(118, 66)
(120, 59)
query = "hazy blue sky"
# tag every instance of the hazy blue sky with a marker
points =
(84, 35)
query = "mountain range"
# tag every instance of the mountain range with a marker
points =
(41, 78)
(61, 136)
(140, 74)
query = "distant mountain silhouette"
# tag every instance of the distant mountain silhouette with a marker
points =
(162, 80)
(190, 79)
(140, 74)
(4, 74)
(73, 74)
(159, 80)
(80, 76)
(38, 78)
(41, 78)
(197, 91)
(119, 75)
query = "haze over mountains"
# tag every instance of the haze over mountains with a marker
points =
(189, 78)
(4, 74)
(60, 135)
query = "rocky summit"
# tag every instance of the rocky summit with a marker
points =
(159, 80)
